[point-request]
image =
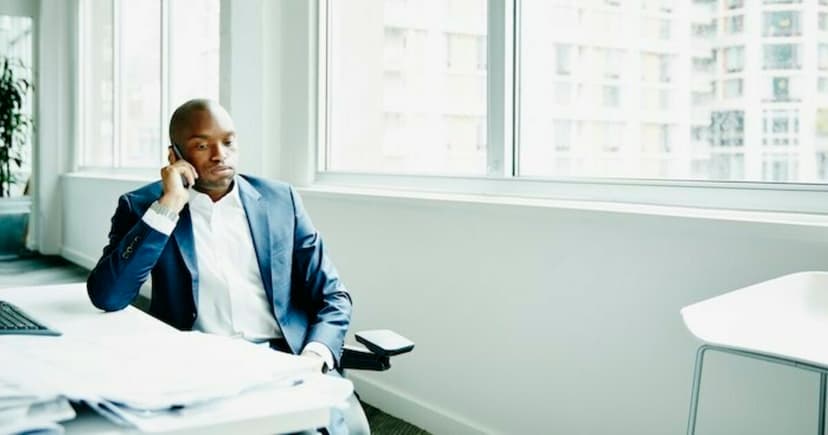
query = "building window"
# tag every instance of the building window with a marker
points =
(822, 85)
(734, 24)
(563, 93)
(734, 59)
(563, 59)
(436, 55)
(613, 62)
(562, 135)
(123, 121)
(779, 167)
(733, 88)
(728, 128)
(823, 56)
(463, 52)
(781, 23)
(612, 96)
(781, 88)
(781, 56)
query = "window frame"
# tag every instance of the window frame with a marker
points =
(164, 74)
(502, 177)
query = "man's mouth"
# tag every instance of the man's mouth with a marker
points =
(221, 169)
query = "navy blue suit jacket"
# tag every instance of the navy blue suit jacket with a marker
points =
(306, 297)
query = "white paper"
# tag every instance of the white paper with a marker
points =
(316, 391)
(151, 371)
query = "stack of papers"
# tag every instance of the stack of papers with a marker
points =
(150, 381)
(22, 412)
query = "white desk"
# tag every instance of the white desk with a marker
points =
(783, 320)
(67, 308)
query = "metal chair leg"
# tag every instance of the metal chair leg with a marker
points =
(694, 395)
(822, 385)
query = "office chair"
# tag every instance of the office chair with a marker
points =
(782, 321)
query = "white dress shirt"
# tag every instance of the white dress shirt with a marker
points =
(231, 297)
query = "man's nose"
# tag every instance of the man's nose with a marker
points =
(217, 152)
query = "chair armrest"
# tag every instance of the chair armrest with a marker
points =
(374, 350)
(359, 357)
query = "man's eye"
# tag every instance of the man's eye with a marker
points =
(230, 143)
(201, 146)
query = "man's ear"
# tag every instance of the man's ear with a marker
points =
(171, 155)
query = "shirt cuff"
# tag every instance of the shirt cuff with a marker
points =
(159, 222)
(321, 350)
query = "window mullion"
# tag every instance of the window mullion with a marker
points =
(117, 84)
(500, 99)
(323, 46)
(166, 59)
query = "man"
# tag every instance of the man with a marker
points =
(233, 255)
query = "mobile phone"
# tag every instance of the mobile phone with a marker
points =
(179, 155)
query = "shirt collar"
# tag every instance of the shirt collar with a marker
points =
(202, 202)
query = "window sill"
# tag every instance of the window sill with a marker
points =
(400, 196)
(120, 174)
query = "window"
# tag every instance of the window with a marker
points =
(728, 128)
(781, 23)
(704, 31)
(563, 59)
(822, 85)
(734, 59)
(122, 98)
(734, 24)
(612, 96)
(16, 43)
(582, 96)
(656, 29)
(465, 52)
(733, 88)
(823, 56)
(781, 88)
(437, 55)
(781, 56)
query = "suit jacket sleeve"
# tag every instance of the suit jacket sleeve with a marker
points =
(133, 249)
(330, 302)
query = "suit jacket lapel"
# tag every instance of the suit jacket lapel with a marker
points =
(183, 234)
(257, 219)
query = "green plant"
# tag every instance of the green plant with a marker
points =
(15, 123)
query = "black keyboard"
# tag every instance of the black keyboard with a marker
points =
(13, 320)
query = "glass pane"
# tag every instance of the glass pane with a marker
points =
(415, 101)
(140, 46)
(686, 99)
(16, 43)
(97, 75)
(194, 50)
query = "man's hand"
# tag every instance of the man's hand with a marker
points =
(173, 177)
(322, 363)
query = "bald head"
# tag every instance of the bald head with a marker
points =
(182, 118)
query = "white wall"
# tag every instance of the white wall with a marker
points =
(91, 202)
(548, 320)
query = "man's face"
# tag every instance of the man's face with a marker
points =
(208, 142)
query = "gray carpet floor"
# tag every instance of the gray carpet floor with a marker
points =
(42, 270)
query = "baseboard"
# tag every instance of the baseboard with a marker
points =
(78, 257)
(412, 410)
